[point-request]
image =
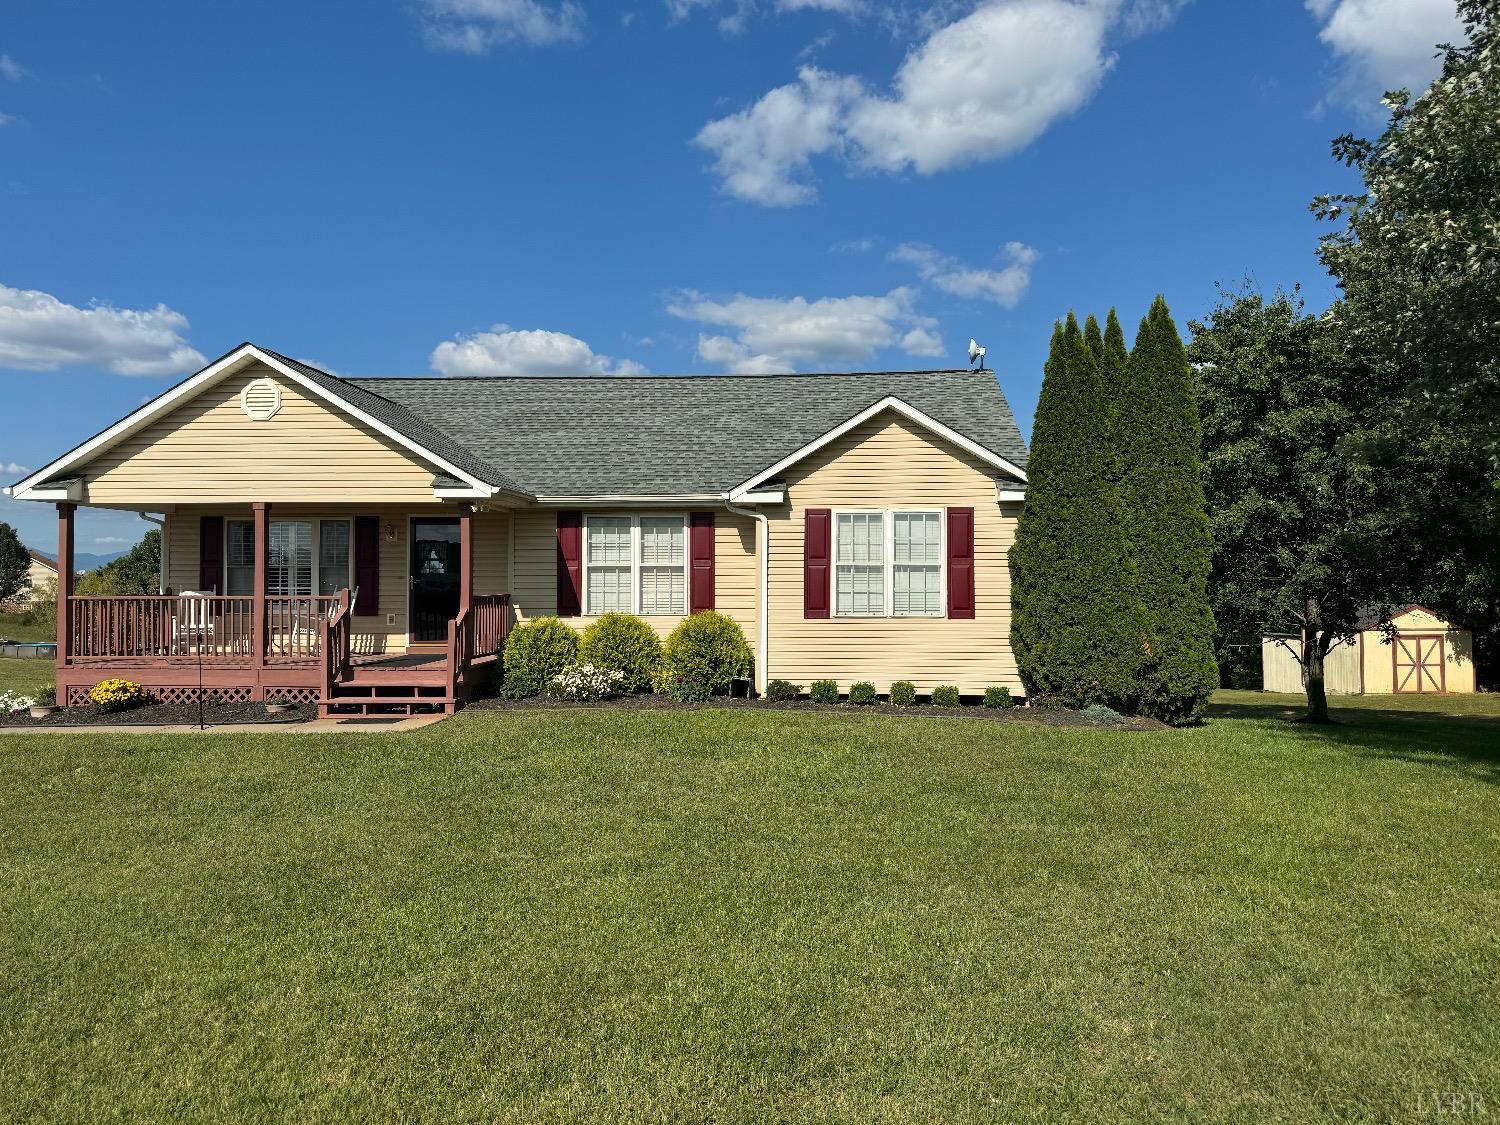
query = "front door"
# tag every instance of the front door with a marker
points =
(435, 562)
(1419, 664)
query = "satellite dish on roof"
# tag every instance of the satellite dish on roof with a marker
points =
(976, 353)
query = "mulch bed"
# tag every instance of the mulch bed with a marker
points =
(163, 715)
(1044, 716)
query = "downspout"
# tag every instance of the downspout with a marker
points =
(763, 614)
(161, 563)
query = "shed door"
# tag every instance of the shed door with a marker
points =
(1419, 665)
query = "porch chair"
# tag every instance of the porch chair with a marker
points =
(193, 623)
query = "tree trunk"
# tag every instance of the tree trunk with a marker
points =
(1314, 649)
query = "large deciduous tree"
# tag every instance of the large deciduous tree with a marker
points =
(1077, 627)
(1417, 254)
(1159, 445)
(1296, 520)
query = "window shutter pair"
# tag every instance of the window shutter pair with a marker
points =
(701, 570)
(817, 563)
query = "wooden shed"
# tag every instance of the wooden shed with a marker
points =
(1426, 656)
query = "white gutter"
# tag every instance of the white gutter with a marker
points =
(763, 616)
(161, 562)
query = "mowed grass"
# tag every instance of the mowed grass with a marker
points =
(18, 627)
(25, 675)
(717, 915)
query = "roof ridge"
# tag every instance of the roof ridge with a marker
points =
(586, 378)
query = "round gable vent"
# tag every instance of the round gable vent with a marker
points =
(260, 400)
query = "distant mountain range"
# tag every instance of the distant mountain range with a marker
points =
(82, 560)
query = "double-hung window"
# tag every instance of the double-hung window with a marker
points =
(306, 557)
(635, 564)
(888, 564)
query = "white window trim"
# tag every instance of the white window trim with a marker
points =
(317, 550)
(888, 533)
(635, 560)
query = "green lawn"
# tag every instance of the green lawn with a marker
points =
(25, 675)
(17, 628)
(752, 916)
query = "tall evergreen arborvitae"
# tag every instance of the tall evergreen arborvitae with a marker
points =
(1077, 623)
(1159, 438)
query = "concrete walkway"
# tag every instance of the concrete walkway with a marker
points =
(348, 725)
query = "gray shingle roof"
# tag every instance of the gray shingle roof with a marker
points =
(670, 435)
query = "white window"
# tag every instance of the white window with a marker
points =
(888, 564)
(305, 556)
(635, 564)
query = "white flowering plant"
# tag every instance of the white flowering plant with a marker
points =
(13, 702)
(585, 683)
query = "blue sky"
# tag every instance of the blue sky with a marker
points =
(462, 186)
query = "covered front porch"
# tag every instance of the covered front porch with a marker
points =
(288, 605)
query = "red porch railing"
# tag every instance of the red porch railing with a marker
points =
(478, 633)
(192, 628)
(334, 641)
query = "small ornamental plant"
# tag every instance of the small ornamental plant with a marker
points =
(825, 691)
(998, 698)
(689, 687)
(47, 697)
(118, 695)
(904, 693)
(585, 683)
(862, 694)
(946, 696)
(782, 691)
(13, 703)
(1102, 716)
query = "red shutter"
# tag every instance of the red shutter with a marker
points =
(569, 564)
(961, 563)
(701, 553)
(211, 554)
(367, 565)
(816, 561)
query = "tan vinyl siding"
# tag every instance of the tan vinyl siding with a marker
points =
(736, 576)
(891, 463)
(208, 451)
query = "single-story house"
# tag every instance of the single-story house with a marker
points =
(40, 571)
(369, 541)
(1424, 654)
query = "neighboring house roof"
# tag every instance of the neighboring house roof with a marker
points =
(681, 435)
(46, 560)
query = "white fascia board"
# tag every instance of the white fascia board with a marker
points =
(1008, 493)
(617, 501)
(71, 491)
(759, 496)
(890, 402)
(25, 489)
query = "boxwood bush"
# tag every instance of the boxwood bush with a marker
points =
(862, 694)
(536, 651)
(782, 691)
(618, 642)
(946, 696)
(998, 697)
(702, 655)
(904, 693)
(825, 691)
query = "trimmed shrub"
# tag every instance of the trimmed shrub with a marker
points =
(904, 693)
(702, 655)
(946, 696)
(782, 691)
(862, 694)
(536, 651)
(825, 691)
(998, 698)
(585, 683)
(1102, 715)
(618, 642)
(118, 695)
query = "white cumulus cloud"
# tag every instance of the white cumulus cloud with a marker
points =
(977, 89)
(761, 335)
(1005, 286)
(10, 69)
(14, 467)
(1385, 44)
(40, 333)
(506, 351)
(475, 26)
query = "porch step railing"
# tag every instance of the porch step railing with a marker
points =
(479, 632)
(213, 629)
